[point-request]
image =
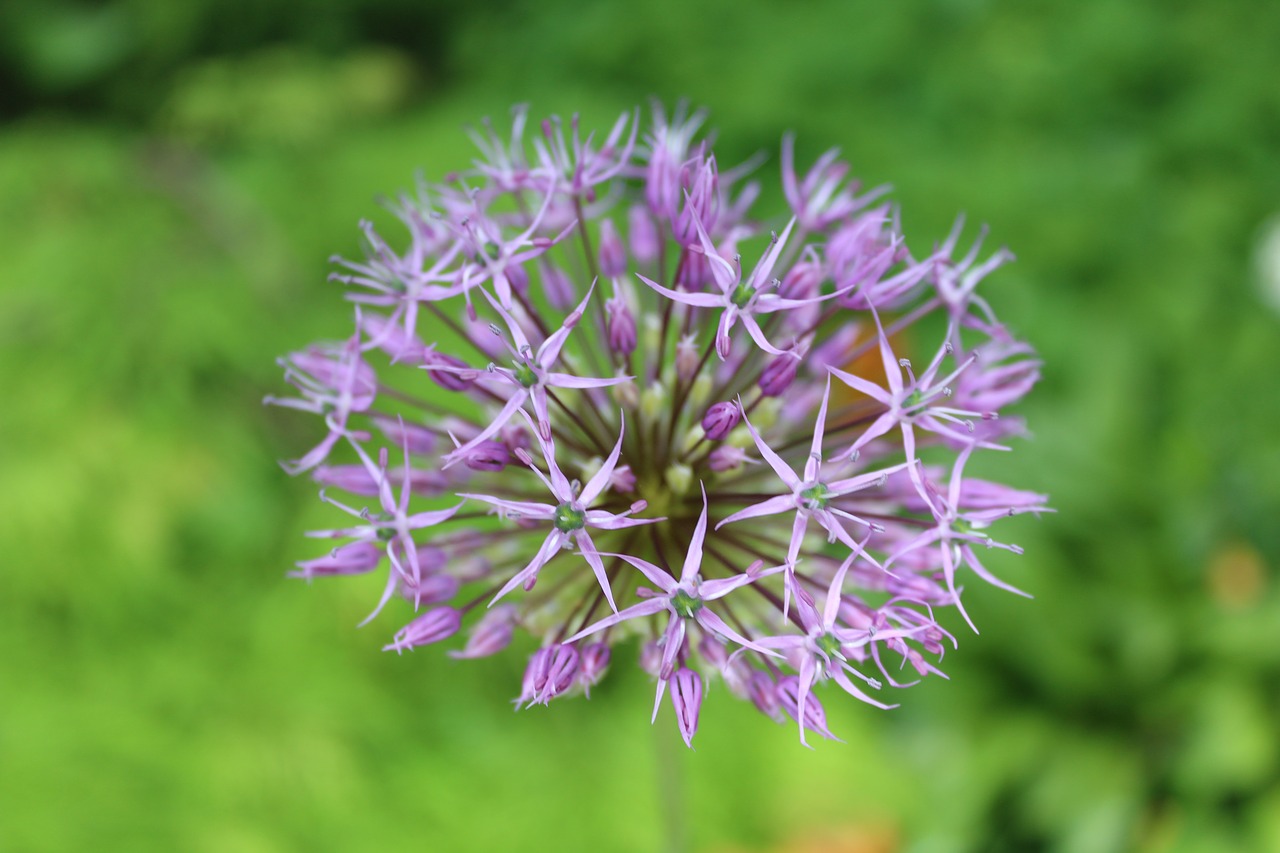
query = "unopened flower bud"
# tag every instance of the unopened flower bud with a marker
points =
(686, 358)
(679, 478)
(686, 698)
(720, 419)
(653, 401)
(765, 417)
(558, 287)
(626, 394)
(414, 438)
(813, 716)
(621, 326)
(556, 672)
(622, 480)
(354, 558)
(355, 479)
(643, 233)
(429, 589)
(613, 255)
(651, 658)
(491, 634)
(700, 390)
(695, 273)
(801, 281)
(435, 625)
(651, 331)
(778, 374)
(518, 278)
(713, 651)
(447, 378)
(726, 457)
(488, 455)
(763, 694)
(834, 351)
(592, 665)
(701, 202)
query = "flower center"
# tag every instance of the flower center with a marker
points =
(816, 496)
(684, 604)
(568, 519)
(742, 294)
(524, 374)
(914, 399)
(829, 644)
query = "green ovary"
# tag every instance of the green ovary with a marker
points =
(568, 519)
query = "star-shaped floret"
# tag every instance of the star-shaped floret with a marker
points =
(956, 533)
(530, 375)
(571, 516)
(915, 403)
(810, 496)
(740, 299)
(393, 526)
(823, 651)
(685, 599)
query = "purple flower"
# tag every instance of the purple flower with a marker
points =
(571, 517)
(811, 496)
(530, 377)
(856, 499)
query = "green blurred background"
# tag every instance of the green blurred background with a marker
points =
(173, 177)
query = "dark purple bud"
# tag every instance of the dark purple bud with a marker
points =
(613, 255)
(686, 698)
(491, 634)
(812, 717)
(414, 438)
(435, 625)
(622, 327)
(429, 589)
(720, 420)
(488, 455)
(763, 694)
(556, 669)
(351, 559)
(726, 457)
(447, 378)
(778, 374)
(592, 666)
(643, 234)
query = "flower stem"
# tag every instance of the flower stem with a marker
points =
(670, 790)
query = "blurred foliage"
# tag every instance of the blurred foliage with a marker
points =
(173, 178)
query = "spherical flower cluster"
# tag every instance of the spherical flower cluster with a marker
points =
(570, 408)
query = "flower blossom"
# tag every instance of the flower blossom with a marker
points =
(525, 455)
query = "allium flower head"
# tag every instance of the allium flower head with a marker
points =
(567, 412)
